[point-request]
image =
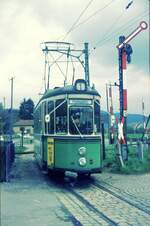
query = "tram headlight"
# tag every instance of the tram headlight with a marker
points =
(82, 161)
(82, 151)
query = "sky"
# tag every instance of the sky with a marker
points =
(26, 24)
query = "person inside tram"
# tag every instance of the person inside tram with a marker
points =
(80, 123)
(75, 124)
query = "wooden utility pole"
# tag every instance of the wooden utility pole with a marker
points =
(4, 102)
(11, 107)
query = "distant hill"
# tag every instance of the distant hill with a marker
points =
(134, 118)
(131, 118)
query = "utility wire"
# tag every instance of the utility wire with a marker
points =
(122, 28)
(76, 21)
(94, 14)
(109, 29)
(88, 18)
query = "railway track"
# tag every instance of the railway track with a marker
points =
(97, 204)
(82, 210)
(126, 197)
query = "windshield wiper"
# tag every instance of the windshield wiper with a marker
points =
(76, 126)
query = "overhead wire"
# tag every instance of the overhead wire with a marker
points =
(107, 35)
(111, 27)
(94, 14)
(76, 21)
(75, 25)
(122, 28)
(88, 18)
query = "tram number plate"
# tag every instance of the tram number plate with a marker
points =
(50, 147)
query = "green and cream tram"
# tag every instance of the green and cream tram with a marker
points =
(67, 129)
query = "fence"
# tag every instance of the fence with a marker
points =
(7, 156)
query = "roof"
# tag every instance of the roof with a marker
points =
(69, 90)
(22, 122)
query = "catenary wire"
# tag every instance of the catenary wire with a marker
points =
(77, 20)
(94, 14)
(122, 28)
(91, 16)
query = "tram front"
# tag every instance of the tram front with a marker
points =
(80, 149)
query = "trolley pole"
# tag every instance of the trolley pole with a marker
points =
(86, 66)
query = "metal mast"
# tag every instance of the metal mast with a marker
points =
(86, 68)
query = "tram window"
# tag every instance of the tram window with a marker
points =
(35, 121)
(61, 116)
(96, 117)
(45, 112)
(81, 120)
(51, 114)
(80, 102)
(38, 124)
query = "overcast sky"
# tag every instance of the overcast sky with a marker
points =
(25, 24)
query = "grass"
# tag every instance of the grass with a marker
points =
(135, 136)
(132, 166)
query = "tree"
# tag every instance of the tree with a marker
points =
(1, 118)
(26, 109)
(4, 120)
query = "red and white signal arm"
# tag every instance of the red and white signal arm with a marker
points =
(142, 26)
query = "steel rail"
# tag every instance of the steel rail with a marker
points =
(123, 198)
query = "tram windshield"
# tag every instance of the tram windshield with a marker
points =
(81, 120)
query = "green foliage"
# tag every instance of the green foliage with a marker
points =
(133, 165)
(26, 109)
(1, 118)
(110, 155)
(135, 136)
(4, 120)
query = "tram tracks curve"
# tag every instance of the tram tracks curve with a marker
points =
(82, 210)
(92, 203)
(126, 197)
(113, 208)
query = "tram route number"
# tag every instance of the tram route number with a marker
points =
(50, 153)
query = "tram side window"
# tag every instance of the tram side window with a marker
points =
(61, 116)
(97, 117)
(38, 124)
(35, 121)
(45, 113)
(51, 114)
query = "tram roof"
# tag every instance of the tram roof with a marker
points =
(68, 90)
